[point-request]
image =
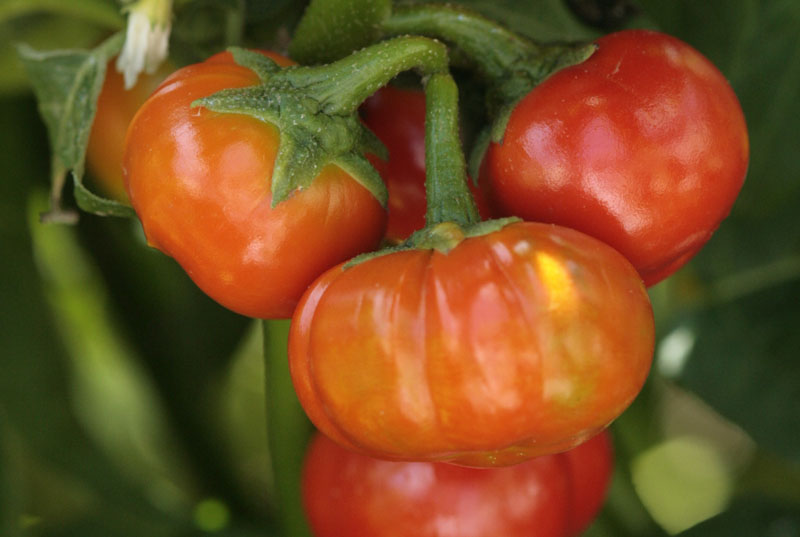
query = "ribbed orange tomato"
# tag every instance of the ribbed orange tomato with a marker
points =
(518, 343)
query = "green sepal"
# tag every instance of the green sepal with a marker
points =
(447, 235)
(357, 260)
(441, 237)
(254, 101)
(67, 84)
(261, 65)
(369, 143)
(365, 174)
(489, 226)
(504, 95)
(92, 203)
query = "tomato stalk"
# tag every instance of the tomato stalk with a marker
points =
(449, 199)
(511, 63)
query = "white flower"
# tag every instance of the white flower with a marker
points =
(146, 39)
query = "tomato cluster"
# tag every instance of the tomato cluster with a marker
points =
(480, 344)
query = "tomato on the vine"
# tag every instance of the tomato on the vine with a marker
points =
(517, 343)
(200, 183)
(116, 107)
(348, 494)
(643, 145)
(397, 117)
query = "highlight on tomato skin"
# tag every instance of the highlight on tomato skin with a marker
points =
(200, 184)
(643, 146)
(349, 494)
(397, 117)
(523, 342)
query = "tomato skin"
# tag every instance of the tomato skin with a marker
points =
(643, 146)
(397, 117)
(116, 107)
(522, 342)
(200, 183)
(590, 467)
(348, 494)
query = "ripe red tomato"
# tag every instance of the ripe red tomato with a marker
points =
(200, 183)
(348, 494)
(116, 107)
(522, 342)
(397, 117)
(643, 146)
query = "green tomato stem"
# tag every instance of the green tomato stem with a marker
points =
(340, 87)
(493, 48)
(449, 199)
(288, 429)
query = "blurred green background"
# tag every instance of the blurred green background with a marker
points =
(130, 404)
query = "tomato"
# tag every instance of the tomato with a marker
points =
(347, 494)
(518, 343)
(590, 466)
(397, 117)
(643, 146)
(200, 183)
(116, 107)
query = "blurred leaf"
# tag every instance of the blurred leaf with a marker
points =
(244, 416)
(289, 428)
(67, 84)
(40, 31)
(544, 20)
(751, 517)
(332, 29)
(102, 12)
(744, 362)
(34, 391)
(185, 342)
(111, 396)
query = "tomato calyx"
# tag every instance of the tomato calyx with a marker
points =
(442, 237)
(315, 109)
(309, 137)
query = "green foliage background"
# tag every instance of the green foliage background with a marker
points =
(131, 404)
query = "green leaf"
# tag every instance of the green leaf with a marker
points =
(35, 391)
(101, 12)
(543, 20)
(183, 340)
(67, 84)
(41, 31)
(256, 62)
(289, 429)
(751, 517)
(743, 362)
(332, 29)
